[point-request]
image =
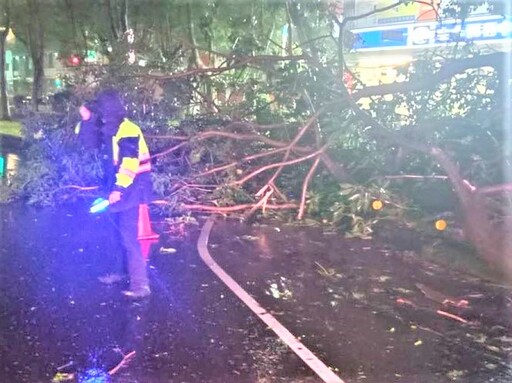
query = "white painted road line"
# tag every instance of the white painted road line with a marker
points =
(324, 372)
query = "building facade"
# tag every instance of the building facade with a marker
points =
(388, 40)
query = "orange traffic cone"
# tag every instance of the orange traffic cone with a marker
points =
(145, 231)
(146, 236)
(145, 247)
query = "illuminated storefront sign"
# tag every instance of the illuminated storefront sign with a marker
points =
(406, 12)
(433, 34)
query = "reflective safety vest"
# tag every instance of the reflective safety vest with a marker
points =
(130, 154)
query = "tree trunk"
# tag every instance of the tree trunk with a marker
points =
(195, 59)
(6, 24)
(37, 86)
(478, 227)
(113, 24)
(35, 35)
(4, 105)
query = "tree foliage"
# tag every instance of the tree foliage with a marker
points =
(246, 110)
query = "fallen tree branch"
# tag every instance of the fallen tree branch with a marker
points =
(495, 189)
(271, 166)
(230, 209)
(299, 135)
(174, 148)
(245, 159)
(411, 176)
(305, 188)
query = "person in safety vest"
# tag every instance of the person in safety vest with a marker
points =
(129, 164)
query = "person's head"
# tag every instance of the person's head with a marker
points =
(85, 113)
(88, 111)
(110, 107)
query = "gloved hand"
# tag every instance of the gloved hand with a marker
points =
(114, 196)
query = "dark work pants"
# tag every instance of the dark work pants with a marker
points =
(127, 224)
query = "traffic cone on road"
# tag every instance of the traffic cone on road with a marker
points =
(145, 230)
(146, 235)
(145, 247)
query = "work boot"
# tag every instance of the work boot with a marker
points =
(137, 293)
(112, 278)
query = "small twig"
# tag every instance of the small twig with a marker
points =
(429, 330)
(174, 148)
(211, 104)
(170, 137)
(413, 177)
(79, 187)
(327, 273)
(452, 316)
(125, 359)
(278, 192)
(217, 169)
(261, 203)
(246, 124)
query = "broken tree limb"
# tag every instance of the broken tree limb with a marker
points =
(245, 159)
(305, 185)
(271, 166)
(230, 209)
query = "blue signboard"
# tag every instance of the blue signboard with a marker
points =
(431, 34)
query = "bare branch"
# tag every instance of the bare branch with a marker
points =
(410, 176)
(305, 188)
(230, 209)
(245, 159)
(239, 61)
(174, 148)
(279, 164)
(302, 131)
(495, 189)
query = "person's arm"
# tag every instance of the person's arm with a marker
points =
(129, 162)
(87, 130)
(128, 168)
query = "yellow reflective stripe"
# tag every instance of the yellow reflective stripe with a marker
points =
(128, 129)
(130, 167)
(127, 172)
(131, 164)
(144, 156)
(123, 180)
(115, 150)
(144, 168)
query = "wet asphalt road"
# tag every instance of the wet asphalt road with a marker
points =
(53, 311)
